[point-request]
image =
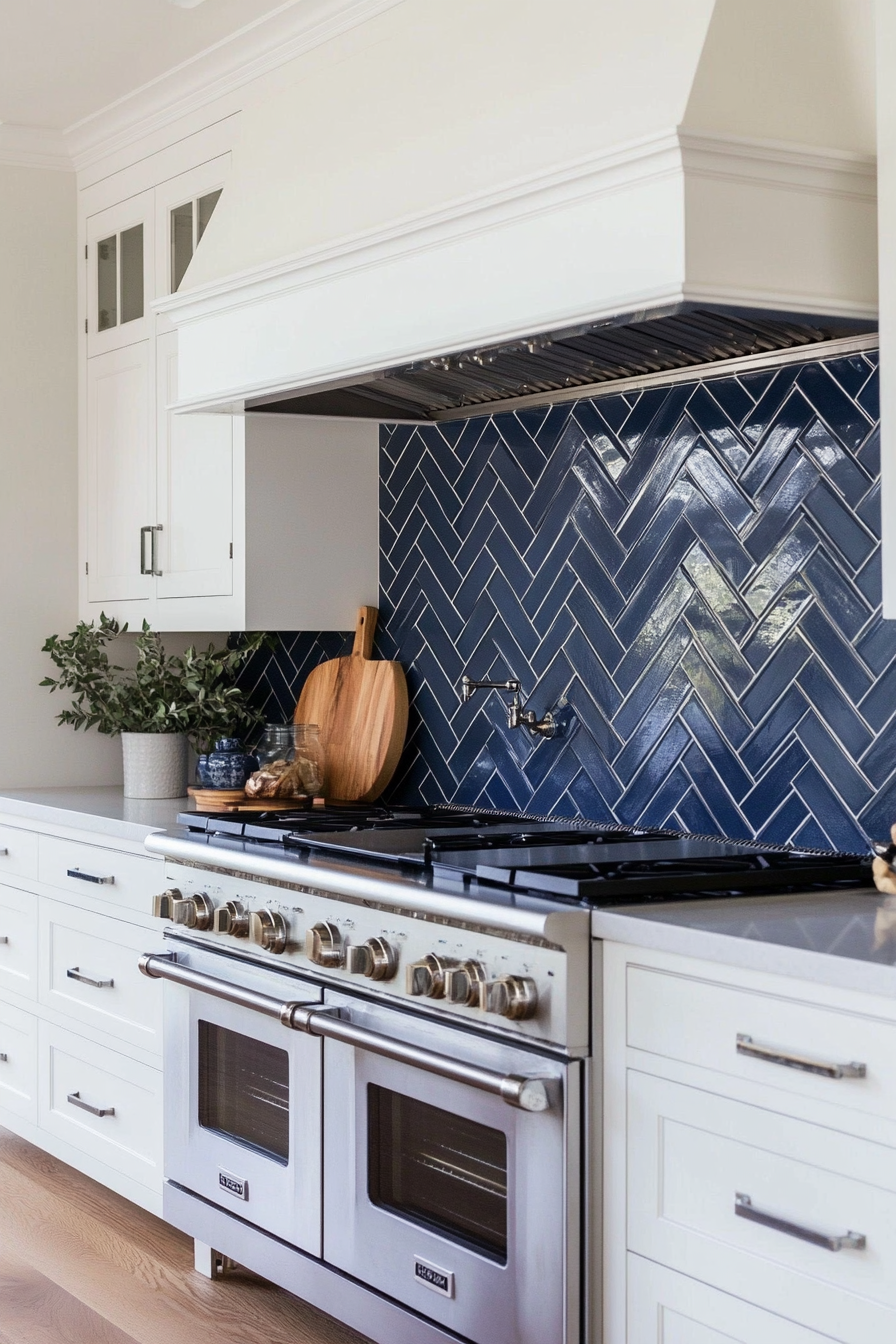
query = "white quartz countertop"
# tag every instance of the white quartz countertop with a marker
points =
(842, 938)
(104, 811)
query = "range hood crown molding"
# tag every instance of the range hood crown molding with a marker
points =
(584, 178)
(651, 230)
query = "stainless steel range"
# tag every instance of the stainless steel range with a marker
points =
(378, 1052)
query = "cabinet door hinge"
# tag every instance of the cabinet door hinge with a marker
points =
(85, 251)
(85, 326)
(86, 566)
(231, 550)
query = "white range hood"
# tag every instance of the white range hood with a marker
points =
(457, 177)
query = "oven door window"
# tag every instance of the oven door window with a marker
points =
(438, 1169)
(244, 1090)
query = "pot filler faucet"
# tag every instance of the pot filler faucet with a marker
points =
(517, 717)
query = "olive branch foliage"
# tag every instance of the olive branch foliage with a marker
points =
(192, 693)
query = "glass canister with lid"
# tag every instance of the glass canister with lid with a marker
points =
(290, 762)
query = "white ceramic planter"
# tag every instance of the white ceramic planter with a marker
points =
(155, 765)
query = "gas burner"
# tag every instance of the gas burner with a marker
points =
(566, 859)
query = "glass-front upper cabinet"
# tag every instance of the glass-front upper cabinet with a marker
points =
(119, 274)
(184, 206)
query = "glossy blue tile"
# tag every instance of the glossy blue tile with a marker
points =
(834, 764)
(696, 567)
(851, 372)
(851, 540)
(778, 674)
(844, 415)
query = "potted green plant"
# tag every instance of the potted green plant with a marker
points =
(157, 706)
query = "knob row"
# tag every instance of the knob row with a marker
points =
(466, 983)
(434, 977)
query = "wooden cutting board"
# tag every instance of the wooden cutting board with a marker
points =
(360, 705)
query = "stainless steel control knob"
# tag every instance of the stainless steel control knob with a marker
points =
(462, 983)
(162, 903)
(269, 930)
(323, 945)
(377, 959)
(513, 996)
(194, 912)
(426, 978)
(233, 919)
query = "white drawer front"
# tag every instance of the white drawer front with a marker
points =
(18, 853)
(699, 1022)
(89, 971)
(126, 881)
(18, 942)
(128, 1136)
(668, 1308)
(18, 1062)
(690, 1154)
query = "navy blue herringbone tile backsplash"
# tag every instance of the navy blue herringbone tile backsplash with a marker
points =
(694, 569)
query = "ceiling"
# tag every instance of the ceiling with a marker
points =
(61, 60)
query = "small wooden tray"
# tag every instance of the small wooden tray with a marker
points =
(235, 800)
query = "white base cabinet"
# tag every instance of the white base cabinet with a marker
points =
(749, 1157)
(668, 1308)
(80, 1027)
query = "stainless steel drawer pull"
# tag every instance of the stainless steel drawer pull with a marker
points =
(849, 1241)
(75, 973)
(74, 1099)
(747, 1046)
(89, 877)
(3, 938)
(529, 1094)
(3, 852)
(4, 1059)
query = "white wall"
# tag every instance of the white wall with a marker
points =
(795, 70)
(38, 471)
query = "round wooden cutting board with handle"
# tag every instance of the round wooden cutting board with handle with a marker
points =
(360, 705)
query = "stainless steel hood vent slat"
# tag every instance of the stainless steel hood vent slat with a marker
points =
(470, 382)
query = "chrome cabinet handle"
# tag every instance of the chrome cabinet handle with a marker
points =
(75, 973)
(3, 938)
(4, 1059)
(153, 560)
(153, 569)
(3, 852)
(143, 532)
(89, 877)
(529, 1094)
(74, 1099)
(747, 1046)
(849, 1241)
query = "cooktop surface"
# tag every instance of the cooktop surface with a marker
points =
(566, 858)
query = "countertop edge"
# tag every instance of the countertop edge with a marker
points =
(62, 811)
(748, 953)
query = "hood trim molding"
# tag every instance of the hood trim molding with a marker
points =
(677, 218)
(832, 173)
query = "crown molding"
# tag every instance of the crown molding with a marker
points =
(33, 147)
(556, 188)
(751, 162)
(252, 51)
(834, 172)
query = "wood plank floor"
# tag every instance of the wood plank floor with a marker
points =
(80, 1265)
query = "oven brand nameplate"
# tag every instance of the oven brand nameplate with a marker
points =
(439, 1280)
(237, 1186)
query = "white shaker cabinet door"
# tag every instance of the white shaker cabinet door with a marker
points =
(195, 493)
(120, 474)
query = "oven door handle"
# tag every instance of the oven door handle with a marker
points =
(529, 1094)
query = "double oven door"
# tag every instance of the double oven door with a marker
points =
(243, 1101)
(444, 1196)
(427, 1189)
